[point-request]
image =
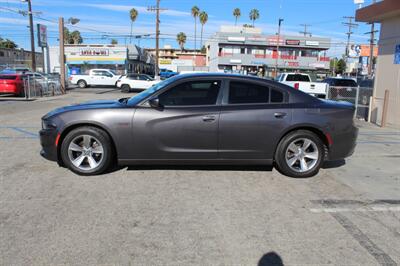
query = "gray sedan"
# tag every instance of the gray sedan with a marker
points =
(202, 119)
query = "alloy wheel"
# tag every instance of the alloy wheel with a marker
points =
(302, 155)
(85, 152)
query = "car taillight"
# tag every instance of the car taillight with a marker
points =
(296, 86)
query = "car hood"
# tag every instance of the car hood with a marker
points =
(99, 104)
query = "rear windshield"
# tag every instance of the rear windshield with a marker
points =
(8, 77)
(297, 77)
(345, 83)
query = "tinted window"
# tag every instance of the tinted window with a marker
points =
(8, 77)
(344, 83)
(297, 77)
(192, 93)
(241, 92)
(133, 77)
(276, 96)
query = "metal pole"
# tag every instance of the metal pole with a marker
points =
(356, 100)
(277, 47)
(157, 38)
(62, 54)
(33, 54)
(371, 47)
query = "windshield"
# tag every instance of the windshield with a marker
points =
(146, 93)
(113, 71)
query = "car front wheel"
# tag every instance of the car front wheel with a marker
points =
(82, 84)
(300, 154)
(87, 151)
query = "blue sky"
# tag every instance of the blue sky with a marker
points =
(102, 20)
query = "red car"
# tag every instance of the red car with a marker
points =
(12, 84)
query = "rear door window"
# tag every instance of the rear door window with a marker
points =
(244, 92)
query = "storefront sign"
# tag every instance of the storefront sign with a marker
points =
(292, 42)
(42, 35)
(256, 39)
(312, 43)
(235, 61)
(165, 61)
(94, 52)
(274, 41)
(236, 39)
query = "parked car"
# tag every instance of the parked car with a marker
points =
(366, 90)
(202, 119)
(342, 89)
(17, 70)
(303, 83)
(166, 73)
(12, 84)
(47, 82)
(96, 77)
(135, 82)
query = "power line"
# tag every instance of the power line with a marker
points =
(350, 26)
(305, 32)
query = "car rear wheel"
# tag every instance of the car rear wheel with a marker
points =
(125, 88)
(82, 84)
(87, 151)
(300, 154)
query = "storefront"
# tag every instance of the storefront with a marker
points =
(122, 59)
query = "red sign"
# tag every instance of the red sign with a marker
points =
(292, 42)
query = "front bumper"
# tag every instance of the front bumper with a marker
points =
(48, 142)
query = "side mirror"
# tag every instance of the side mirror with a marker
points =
(155, 103)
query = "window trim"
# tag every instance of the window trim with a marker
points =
(145, 102)
(225, 101)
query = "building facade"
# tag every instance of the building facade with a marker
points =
(387, 74)
(243, 49)
(123, 59)
(12, 58)
(180, 60)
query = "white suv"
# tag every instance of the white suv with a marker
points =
(135, 82)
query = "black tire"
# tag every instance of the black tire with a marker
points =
(281, 162)
(125, 88)
(82, 84)
(98, 135)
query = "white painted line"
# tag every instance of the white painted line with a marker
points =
(361, 209)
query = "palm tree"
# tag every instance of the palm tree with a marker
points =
(203, 20)
(195, 14)
(236, 14)
(181, 39)
(254, 15)
(75, 37)
(114, 41)
(133, 13)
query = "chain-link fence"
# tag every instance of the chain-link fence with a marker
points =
(359, 96)
(41, 86)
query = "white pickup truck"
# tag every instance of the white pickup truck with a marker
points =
(96, 77)
(303, 83)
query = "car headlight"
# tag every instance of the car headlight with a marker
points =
(48, 124)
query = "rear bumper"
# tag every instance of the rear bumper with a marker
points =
(343, 145)
(48, 142)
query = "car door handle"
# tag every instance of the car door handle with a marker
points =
(280, 114)
(208, 118)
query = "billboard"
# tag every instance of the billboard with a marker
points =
(42, 35)
(354, 50)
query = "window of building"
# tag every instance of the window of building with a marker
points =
(242, 92)
(192, 93)
(1, 53)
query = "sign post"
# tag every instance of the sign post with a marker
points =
(42, 42)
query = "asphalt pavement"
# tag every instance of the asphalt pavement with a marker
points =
(349, 214)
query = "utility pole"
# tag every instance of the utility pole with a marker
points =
(33, 54)
(277, 46)
(351, 25)
(157, 9)
(371, 46)
(62, 53)
(305, 32)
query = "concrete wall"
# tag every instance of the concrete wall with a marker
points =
(388, 74)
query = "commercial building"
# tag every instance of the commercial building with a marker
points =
(244, 49)
(123, 59)
(387, 74)
(19, 58)
(180, 60)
